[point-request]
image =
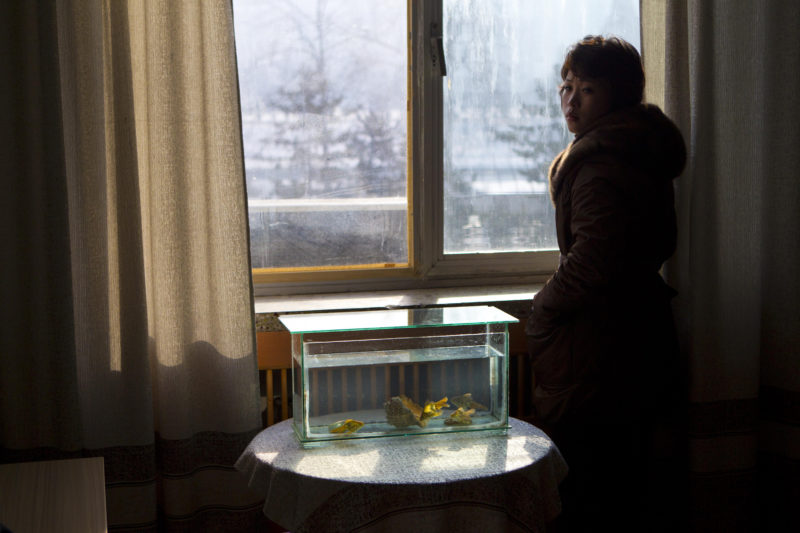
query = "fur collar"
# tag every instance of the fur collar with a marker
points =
(641, 136)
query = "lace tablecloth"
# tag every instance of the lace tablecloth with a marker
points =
(471, 481)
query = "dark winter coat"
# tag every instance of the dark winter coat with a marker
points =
(600, 332)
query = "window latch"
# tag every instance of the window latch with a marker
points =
(437, 49)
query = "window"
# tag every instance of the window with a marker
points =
(395, 143)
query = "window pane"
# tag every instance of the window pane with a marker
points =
(502, 118)
(323, 94)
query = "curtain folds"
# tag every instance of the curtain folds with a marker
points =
(728, 69)
(127, 327)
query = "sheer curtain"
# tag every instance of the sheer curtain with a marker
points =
(728, 73)
(127, 325)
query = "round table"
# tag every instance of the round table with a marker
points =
(468, 481)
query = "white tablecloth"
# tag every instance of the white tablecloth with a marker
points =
(471, 481)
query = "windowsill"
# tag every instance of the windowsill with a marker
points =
(508, 296)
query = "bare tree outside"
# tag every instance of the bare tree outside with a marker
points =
(312, 132)
(324, 114)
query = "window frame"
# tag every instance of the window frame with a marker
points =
(428, 266)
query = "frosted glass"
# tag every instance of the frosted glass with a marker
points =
(323, 94)
(502, 120)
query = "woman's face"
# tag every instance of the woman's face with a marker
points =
(583, 101)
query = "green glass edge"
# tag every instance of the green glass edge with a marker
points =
(371, 320)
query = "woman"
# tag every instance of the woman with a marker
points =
(600, 332)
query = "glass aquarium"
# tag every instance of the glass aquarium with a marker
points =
(391, 372)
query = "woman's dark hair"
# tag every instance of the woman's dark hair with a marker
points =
(612, 59)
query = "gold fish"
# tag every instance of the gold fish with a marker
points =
(411, 405)
(466, 401)
(460, 417)
(399, 414)
(434, 408)
(402, 411)
(346, 426)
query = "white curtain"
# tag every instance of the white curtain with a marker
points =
(727, 71)
(127, 327)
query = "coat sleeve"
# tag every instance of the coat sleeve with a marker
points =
(598, 225)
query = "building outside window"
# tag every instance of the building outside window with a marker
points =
(402, 143)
